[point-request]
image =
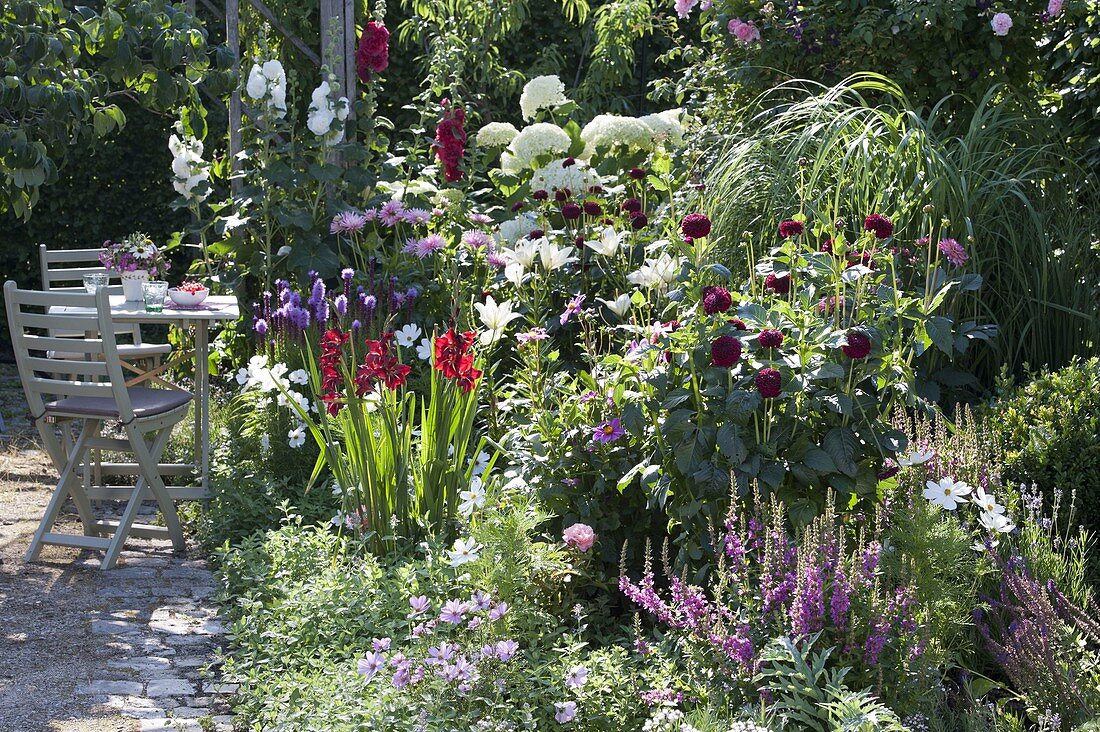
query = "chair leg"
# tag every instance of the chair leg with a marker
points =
(148, 457)
(125, 522)
(66, 485)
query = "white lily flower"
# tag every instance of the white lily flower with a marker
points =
(514, 273)
(523, 253)
(619, 305)
(608, 243)
(552, 256)
(495, 318)
(658, 272)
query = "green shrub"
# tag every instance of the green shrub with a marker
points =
(1050, 431)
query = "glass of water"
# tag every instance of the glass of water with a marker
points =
(94, 281)
(154, 293)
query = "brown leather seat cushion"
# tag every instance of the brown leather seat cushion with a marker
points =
(146, 402)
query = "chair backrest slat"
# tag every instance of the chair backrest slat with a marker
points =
(99, 376)
(45, 344)
(64, 269)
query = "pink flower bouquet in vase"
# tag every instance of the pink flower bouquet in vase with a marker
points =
(136, 259)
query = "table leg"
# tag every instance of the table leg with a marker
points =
(202, 403)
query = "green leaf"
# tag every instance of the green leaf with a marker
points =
(939, 330)
(842, 446)
(730, 443)
(819, 460)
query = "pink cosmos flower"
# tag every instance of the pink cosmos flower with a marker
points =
(573, 308)
(745, 32)
(535, 334)
(579, 536)
(1001, 24)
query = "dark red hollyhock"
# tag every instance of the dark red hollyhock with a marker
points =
(716, 300)
(450, 141)
(592, 208)
(770, 338)
(638, 221)
(636, 173)
(859, 345)
(779, 284)
(738, 324)
(725, 351)
(540, 195)
(827, 246)
(790, 228)
(879, 224)
(632, 204)
(373, 53)
(570, 211)
(695, 226)
(769, 383)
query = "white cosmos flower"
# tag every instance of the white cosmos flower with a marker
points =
(946, 492)
(996, 522)
(297, 436)
(986, 502)
(299, 376)
(464, 551)
(659, 272)
(495, 318)
(917, 457)
(472, 499)
(619, 305)
(407, 335)
(552, 256)
(514, 273)
(608, 243)
(424, 349)
(481, 462)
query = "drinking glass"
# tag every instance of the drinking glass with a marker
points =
(154, 293)
(94, 281)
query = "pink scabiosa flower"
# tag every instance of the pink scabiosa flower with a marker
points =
(770, 338)
(347, 222)
(725, 351)
(879, 224)
(608, 431)
(579, 536)
(695, 226)
(953, 252)
(744, 32)
(373, 54)
(1001, 24)
(716, 300)
(779, 284)
(858, 346)
(790, 228)
(769, 382)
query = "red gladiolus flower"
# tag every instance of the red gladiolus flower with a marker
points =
(790, 228)
(373, 53)
(453, 358)
(779, 284)
(725, 351)
(450, 141)
(859, 345)
(770, 338)
(695, 226)
(716, 300)
(879, 224)
(769, 383)
(332, 379)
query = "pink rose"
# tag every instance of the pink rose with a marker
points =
(744, 32)
(683, 7)
(579, 536)
(1001, 23)
(1054, 8)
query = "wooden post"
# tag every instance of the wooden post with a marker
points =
(233, 39)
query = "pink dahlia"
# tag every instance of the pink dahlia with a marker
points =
(953, 252)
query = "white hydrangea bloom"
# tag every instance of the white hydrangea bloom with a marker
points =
(509, 163)
(608, 130)
(324, 111)
(541, 138)
(514, 229)
(188, 168)
(496, 134)
(542, 92)
(555, 176)
(666, 126)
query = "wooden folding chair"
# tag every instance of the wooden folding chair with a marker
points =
(63, 270)
(71, 414)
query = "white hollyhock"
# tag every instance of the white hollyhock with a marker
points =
(324, 111)
(495, 317)
(189, 170)
(267, 83)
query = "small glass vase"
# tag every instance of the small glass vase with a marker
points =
(131, 285)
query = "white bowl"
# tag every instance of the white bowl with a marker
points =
(187, 299)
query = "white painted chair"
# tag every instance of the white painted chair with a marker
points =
(71, 414)
(63, 270)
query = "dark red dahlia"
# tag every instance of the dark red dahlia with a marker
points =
(790, 228)
(517, 206)
(859, 345)
(536, 234)
(568, 162)
(827, 246)
(738, 324)
(595, 190)
(779, 284)
(373, 53)
(879, 224)
(540, 195)
(769, 382)
(638, 221)
(695, 226)
(716, 300)
(450, 141)
(632, 204)
(578, 241)
(561, 194)
(770, 338)
(725, 351)
(592, 208)
(570, 211)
